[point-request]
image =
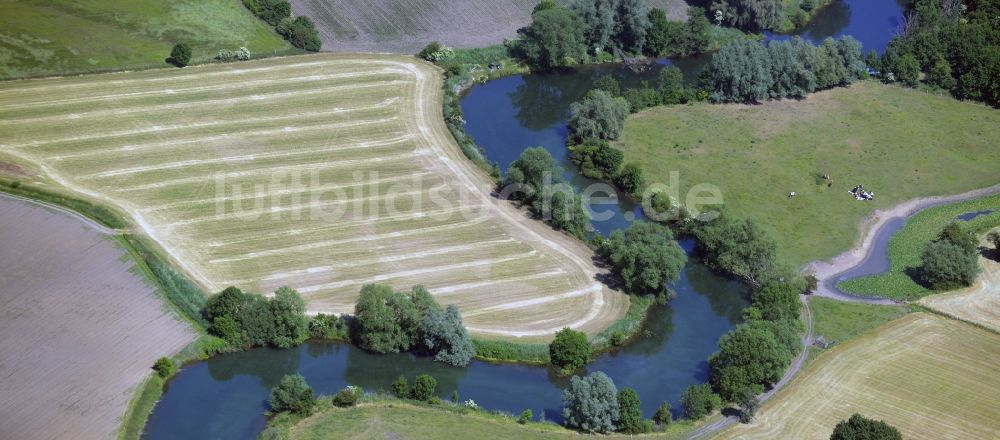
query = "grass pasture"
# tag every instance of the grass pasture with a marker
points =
(406, 26)
(899, 143)
(321, 172)
(58, 37)
(907, 245)
(929, 376)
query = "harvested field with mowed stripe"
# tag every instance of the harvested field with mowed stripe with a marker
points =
(321, 172)
(80, 329)
(979, 303)
(929, 376)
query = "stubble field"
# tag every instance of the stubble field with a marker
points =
(929, 376)
(319, 172)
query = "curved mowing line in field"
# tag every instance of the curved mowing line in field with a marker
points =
(158, 128)
(423, 271)
(445, 290)
(199, 104)
(235, 85)
(245, 158)
(357, 262)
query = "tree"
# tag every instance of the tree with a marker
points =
(751, 15)
(609, 84)
(531, 173)
(645, 257)
(749, 356)
(387, 321)
(599, 115)
(748, 403)
(180, 55)
(446, 337)
(423, 388)
(164, 367)
(698, 401)
(739, 248)
(630, 412)
(907, 70)
(300, 32)
(662, 416)
(289, 313)
(631, 22)
(554, 39)
(525, 417)
(591, 403)
(778, 300)
(597, 20)
(400, 388)
(658, 36)
(994, 237)
(292, 394)
(946, 265)
(861, 428)
(670, 82)
(954, 233)
(570, 349)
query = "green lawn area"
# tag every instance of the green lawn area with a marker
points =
(897, 142)
(908, 244)
(840, 321)
(76, 36)
(412, 421)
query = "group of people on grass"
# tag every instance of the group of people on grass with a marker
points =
(859, 193)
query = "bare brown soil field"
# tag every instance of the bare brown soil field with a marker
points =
(320, 172)
(405, 26)
(979, 303)
(79, 329)
(931, 377)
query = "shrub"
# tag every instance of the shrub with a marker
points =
(994, 237)
(597, 159)
(699, 401)
(400, 388)
(630, 413)
(271, 11)
(435, 52)
(748, 403)
(591, 403)
(423, 388)
(226, 55)
(861, 428)
(164, 367)
(293, 394)
(662, 416)
(180, 56)
(347, 397)
(570, 349)
(329, 327)
(525, 417)
(630, 179)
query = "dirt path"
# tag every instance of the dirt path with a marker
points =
(828, 271)
(90, 223)
(724, 422)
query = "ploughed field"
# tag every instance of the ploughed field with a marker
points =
(80, 328)
(405, 26)
(320, 172)
(929, 376)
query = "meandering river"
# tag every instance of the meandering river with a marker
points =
(225, 397)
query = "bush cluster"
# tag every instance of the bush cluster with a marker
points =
(422, 389)
(250, 320)
(750, 15)
(299, 31)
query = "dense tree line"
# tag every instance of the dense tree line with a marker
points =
(571, 31)
(750, 15)
(956, 44)
(738, 248)
(536, 181)
(752, 72)
(299, 31)
(391, 322)
(251, 320)
(950, 261)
